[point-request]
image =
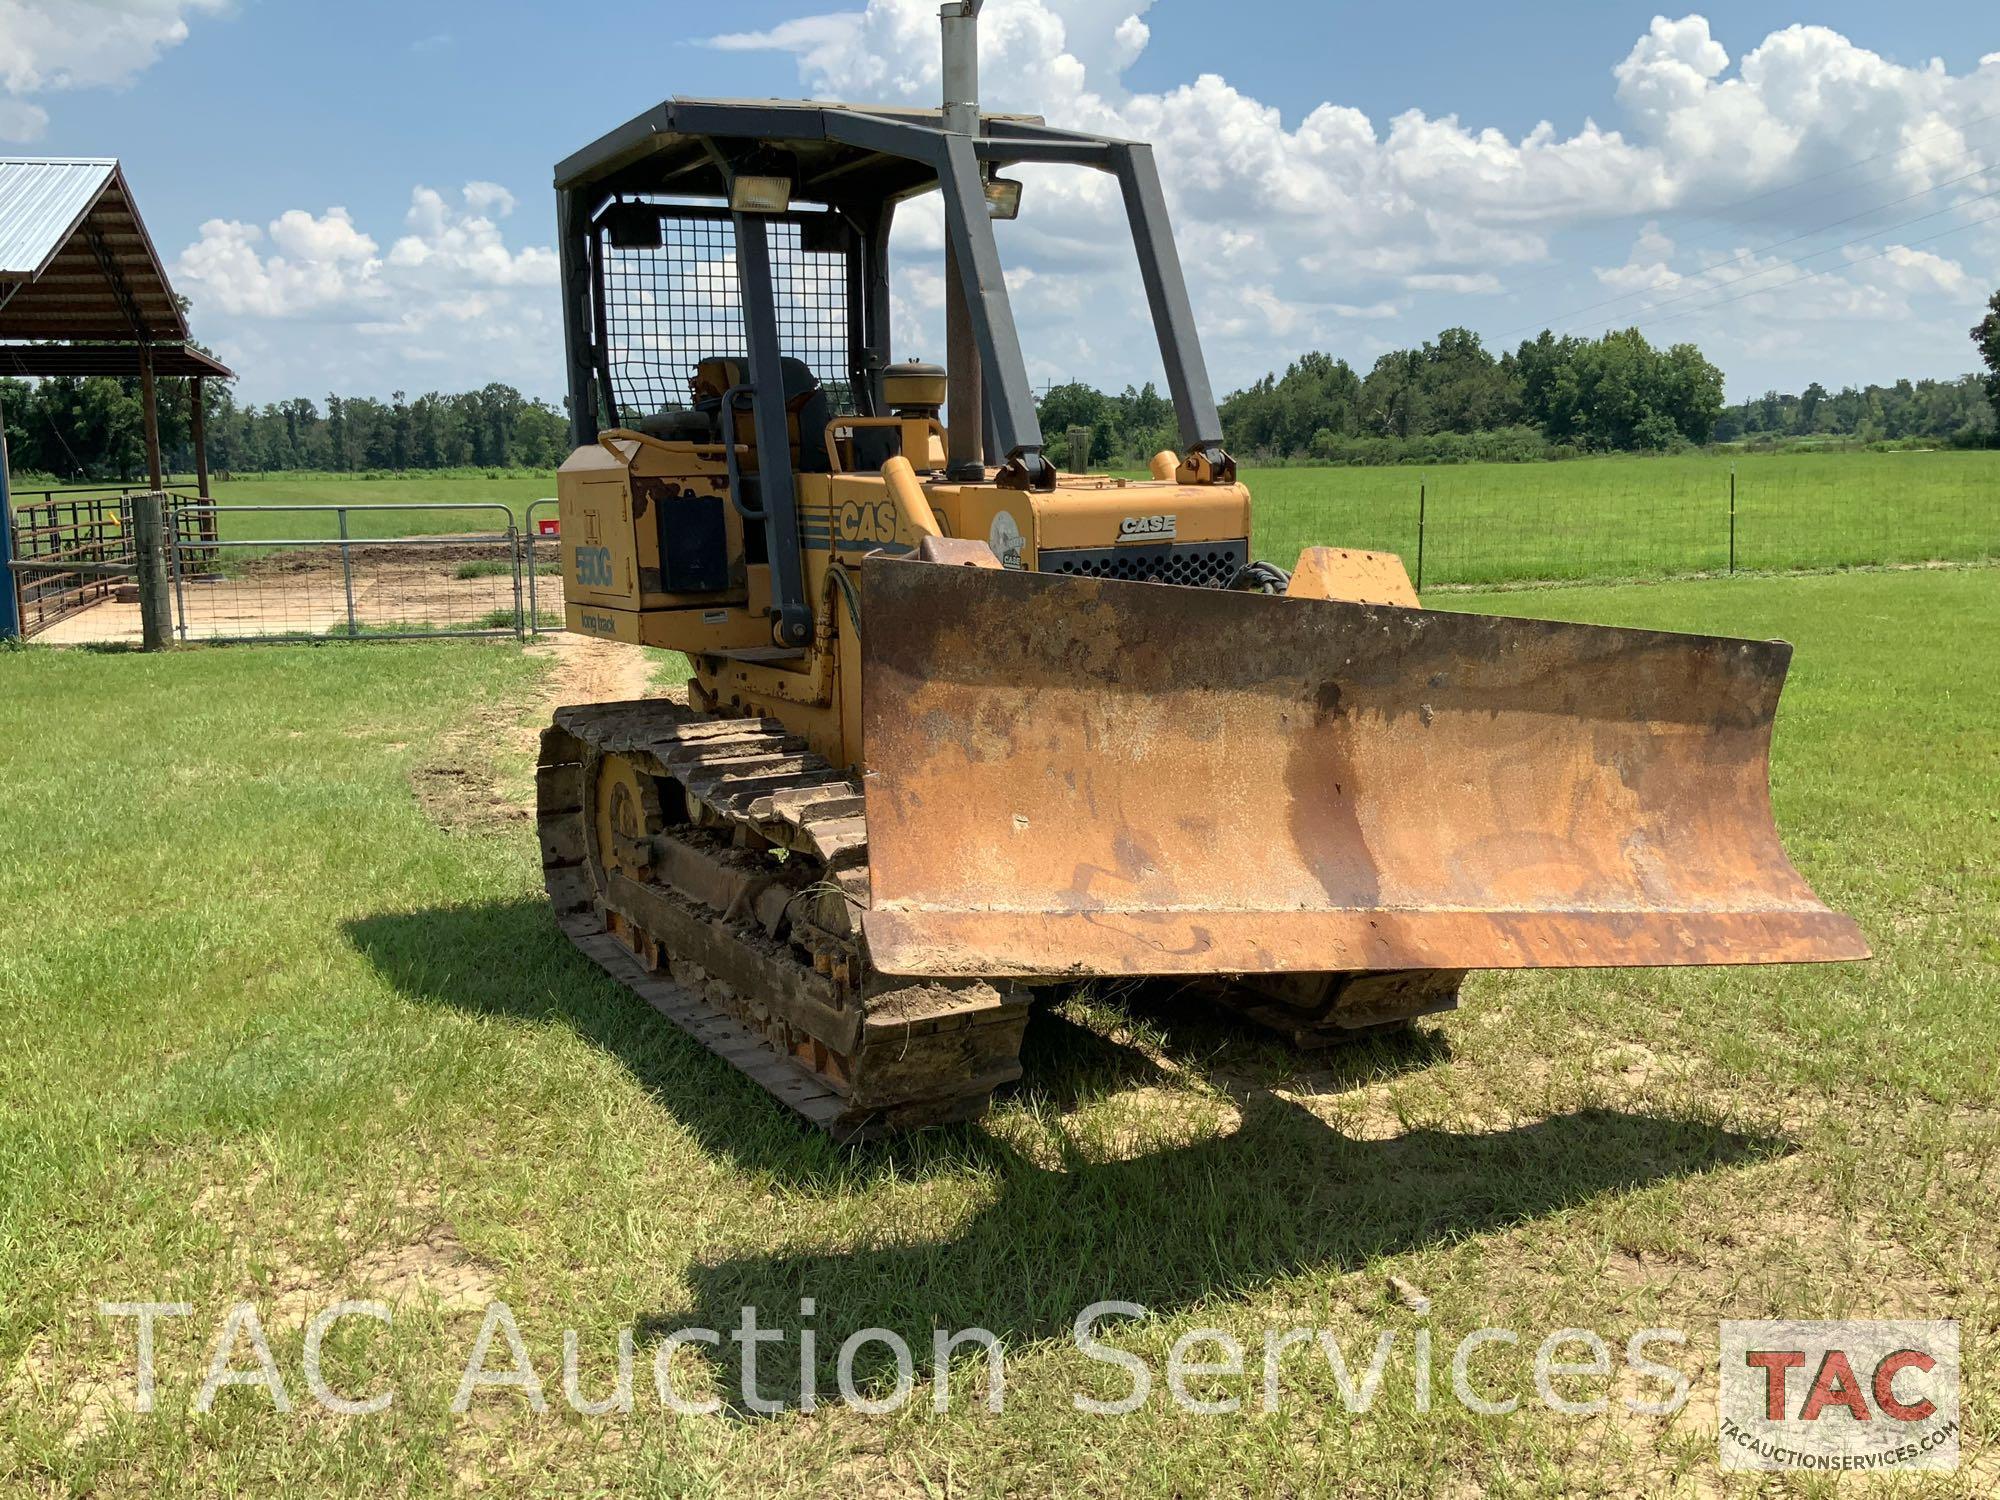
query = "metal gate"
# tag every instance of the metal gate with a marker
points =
(373, 571)
(71, 549)
(542, 546)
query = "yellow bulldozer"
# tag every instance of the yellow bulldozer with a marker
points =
(963, 729)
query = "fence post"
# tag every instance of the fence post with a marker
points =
(175, 562)
(149, 546)
(347, 574)
(514, 551)
(530, 564)
(1732, 519)
(1423, 491)
(10, 588)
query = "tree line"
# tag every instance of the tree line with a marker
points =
(94, 429)
(1449, 398)
(1452, 399)
(1986, 339)
(1944, 411)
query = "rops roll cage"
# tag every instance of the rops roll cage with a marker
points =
(861, 163)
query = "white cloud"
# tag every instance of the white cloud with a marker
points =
(22, 121)
(816, 40)
(227, 270)
(1921, 271)
(1485, 283)
(47, 46)
(1292, 227)
(489, 198)
(447, 290)
(332, 238)
(1742, 305)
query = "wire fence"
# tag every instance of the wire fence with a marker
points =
(317, 572)
(282, 571)
(1484, 525)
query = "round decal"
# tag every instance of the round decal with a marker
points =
(1006, 540)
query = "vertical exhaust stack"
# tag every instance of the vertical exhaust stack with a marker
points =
(966, 450)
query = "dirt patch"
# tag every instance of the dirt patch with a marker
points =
(365, 557)
(86, 1406)
(435, 1268)
(465, 798)
(462, 788)
(587, 670)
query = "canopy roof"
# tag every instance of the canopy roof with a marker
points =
(75, 259)
(105, 359)
(831, 152)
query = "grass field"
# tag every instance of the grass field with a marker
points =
(291, 1022)
(1620, 517)
(1643, 517)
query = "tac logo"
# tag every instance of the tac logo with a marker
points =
(1837, 1397)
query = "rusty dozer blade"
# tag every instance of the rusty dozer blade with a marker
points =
(1074, 776)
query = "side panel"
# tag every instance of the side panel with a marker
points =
(1019, 524)
(599, 556)
(649, 526)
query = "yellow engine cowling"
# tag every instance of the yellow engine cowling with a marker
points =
(654, 554)
(649, 537)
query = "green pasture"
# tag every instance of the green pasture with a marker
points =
(1610, 518)
(291, 1022)
(1642, 517)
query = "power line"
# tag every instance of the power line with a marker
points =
(1859, 260)
(1749, 255)
(1811, 255)
(1719, 215)
(1862, 162)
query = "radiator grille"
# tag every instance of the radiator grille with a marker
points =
(1208, 565)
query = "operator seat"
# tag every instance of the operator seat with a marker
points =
(806, 409)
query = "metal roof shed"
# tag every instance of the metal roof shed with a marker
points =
(78, 268)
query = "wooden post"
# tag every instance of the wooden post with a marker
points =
(150, 394)
(149, 549)
(10, 590)
(198, 432)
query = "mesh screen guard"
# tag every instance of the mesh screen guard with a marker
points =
(661, 310)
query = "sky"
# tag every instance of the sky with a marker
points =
(357, 197)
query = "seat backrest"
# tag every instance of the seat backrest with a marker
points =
(806, 408)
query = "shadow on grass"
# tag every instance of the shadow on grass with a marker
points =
(509, 959)
(1280, 1195)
